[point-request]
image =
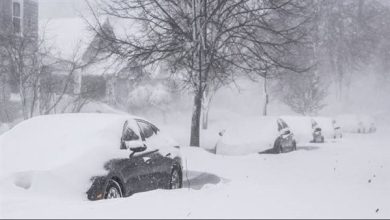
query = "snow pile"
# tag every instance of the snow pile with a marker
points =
(301, 127)
(69, 148)
(247, 136)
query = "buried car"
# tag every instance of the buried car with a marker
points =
(353, 123)
(330, 129)
(101, 155)
(265, 134)
(317, 132)
(285, 142)
(338, 133)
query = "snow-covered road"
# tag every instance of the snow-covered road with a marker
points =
(349, 178)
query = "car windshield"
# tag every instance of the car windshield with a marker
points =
(147, 129)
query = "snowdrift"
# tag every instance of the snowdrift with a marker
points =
(248, 136)
(68, 148)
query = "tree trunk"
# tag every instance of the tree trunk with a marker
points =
(265, 107)
(205, 119)
(195, 122)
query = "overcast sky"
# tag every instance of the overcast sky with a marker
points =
(72, 8)
(60, 8)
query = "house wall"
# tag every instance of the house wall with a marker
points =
(30, 17)
(29, 12)
(5, 15)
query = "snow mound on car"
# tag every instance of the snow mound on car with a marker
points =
(248, 136)
(301, 127)
(71, 147)
(352, 122)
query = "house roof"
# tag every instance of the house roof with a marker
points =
(72, 38)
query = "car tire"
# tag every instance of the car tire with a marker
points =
(294, 145)
(113, 190)
(176, 180)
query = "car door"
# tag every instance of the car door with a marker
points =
(159, 164)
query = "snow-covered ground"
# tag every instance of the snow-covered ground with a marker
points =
(349, 178)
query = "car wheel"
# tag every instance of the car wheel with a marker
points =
(113, 190)
(176, 179)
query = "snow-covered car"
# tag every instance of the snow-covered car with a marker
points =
(338, 133)
(330, 129)
(258, 135)
(103, 155)
(286, 141)
(357, 123)
(317, 132)
(301, 126)
(366, 124)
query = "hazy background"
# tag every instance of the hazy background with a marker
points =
(60, 8)
(368, 94)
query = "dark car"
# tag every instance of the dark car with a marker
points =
(145, 169)
(317, 133)
(285, 142)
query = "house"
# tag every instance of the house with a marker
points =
(19, 16)
(18, 19)
(105, 78)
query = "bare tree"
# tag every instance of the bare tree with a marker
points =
(269, 48)
(202, 40)
(44, 81)
(21, 53)
(303, 92)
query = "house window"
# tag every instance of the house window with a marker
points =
(17, 17)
